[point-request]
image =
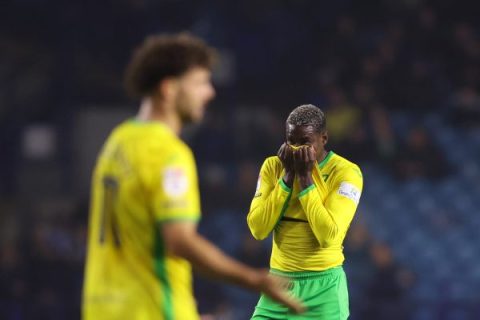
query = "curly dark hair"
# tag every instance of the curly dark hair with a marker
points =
(308, 115)
(162, 56)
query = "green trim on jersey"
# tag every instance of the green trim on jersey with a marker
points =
(161, 273)
(284, 186)
(305, 191)
(284, 208)
(324, 161)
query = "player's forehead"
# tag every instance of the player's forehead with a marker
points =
(299, 132)
(196, 72)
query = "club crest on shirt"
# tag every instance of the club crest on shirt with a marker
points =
(174, 181)
(349, 191)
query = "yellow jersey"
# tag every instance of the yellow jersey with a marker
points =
(145, 176)
(309, 225)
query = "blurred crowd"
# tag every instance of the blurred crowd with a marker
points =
(377, 68)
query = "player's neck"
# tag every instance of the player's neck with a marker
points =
(154, 110)
(323, 154)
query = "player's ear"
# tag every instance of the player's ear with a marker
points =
(168, 88)
(324, 137)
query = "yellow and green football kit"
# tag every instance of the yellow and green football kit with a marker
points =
(309, 227)
(145, 176)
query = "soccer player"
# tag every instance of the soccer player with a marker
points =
(145, 203)
(307, 197)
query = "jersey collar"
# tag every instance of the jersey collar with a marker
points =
(325, 160)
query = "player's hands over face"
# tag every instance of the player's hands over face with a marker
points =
(276, 288)
(285, 153)
(304, 160)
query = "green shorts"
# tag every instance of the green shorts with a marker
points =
(324, 293)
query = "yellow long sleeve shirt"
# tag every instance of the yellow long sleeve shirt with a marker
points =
(309, 225)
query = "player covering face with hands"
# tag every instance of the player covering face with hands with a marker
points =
(299, 154)
(307, 197)
(298, 161)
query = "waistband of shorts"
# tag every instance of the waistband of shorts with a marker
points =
(307, 274)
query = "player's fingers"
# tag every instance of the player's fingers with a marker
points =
(312, 154)
(304, 154)
(299, 154)
(276, 290)
(288, 149)
(287, 300)
(296, 155)
(280, 152)
(288, 153)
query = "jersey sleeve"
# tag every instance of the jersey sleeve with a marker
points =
(269, 203)
(174, 190)
(330, 215)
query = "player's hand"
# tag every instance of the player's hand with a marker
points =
(276, 288)
(304, 160)
(285, 153)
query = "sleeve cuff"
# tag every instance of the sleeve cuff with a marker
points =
(305, 191)
(284, 186)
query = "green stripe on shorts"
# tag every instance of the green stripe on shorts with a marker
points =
(324, 293)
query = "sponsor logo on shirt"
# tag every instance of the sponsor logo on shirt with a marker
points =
(175, 181)
(349, 191)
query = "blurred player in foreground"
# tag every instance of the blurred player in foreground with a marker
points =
(307, 196)
(145, 202)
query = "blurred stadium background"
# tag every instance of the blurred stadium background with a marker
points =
(400, 83)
